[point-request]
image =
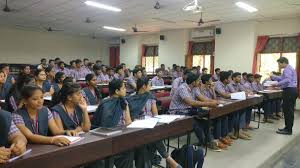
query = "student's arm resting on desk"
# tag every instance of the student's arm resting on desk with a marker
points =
(18, 142)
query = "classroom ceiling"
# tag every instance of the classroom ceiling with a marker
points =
(70, 15)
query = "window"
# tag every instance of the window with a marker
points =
(202, 54)
(202, 60)
(150, 59)
(274, 49)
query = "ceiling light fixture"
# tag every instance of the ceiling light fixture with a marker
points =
(246, 7)
(114, 28)
(192, 6)
(102, 6)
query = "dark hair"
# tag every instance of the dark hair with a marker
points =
(114, 85)
(43, 59)
(50, 60)
(235, 74)
(48, 69)
(3, 66)
(187, 71)
(224, 75)
(217, 69)
(57, 58)
(96, 67)
(158, 70)
(85, 59)
(38, 71)
(78, 61)
(98, 61)
(68, 79)
(118, 68)
(71, 62)
(230, 71)
(194, 68)
(204, 69)
(283, 60)
(244, 73)
(67, 90)
(28, 90)
(162, 64)
(205, 78)
(58, 76)
(89, 77)
(22, 67)
(249, 75)
(60, 62)
(257, 76)
(191, 78)
(141, 82)
(136, 70)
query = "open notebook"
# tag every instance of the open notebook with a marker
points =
(72, 139)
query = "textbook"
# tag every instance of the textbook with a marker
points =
(145, 123)
(73, 139)
(167, 118)
(106, 131)
(92, 108)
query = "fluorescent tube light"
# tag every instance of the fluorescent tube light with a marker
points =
(114, 28)
(246, 7)
(102, 6)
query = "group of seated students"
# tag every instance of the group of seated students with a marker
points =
(29, 120)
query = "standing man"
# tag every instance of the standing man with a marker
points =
(288, 82)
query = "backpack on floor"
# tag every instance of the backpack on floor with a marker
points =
(188, 156)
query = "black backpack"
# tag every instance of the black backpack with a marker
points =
(188, 156)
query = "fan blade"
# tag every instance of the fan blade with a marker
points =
(191, 21)
(57, 30)
(164, 20)
(212, 21)
(141, 31)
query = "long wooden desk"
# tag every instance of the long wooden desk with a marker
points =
(132, 138)
(89, 149)
(94, 147)
(233, 105)
(272, 94)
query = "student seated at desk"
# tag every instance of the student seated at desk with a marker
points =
(206, 93)
(35, 120)
(71, 112)
(58, 81)
(25, 70)
(91, 93)
(177, 72)
(165, 72)
(249, 91)
(13, 99)
(119, 73)
(183, 101)
(131, 82)
(62, 68)
(216, 76)
(204, 71)
(179, 81)
(143, 104)
(114, 112)
(244, 78)
(9, 77)
(79, 72)
(50, 73)
(40, 80)
(235, 86)
(111, 73)
(158, 80)
(12, 141)
(4, 86)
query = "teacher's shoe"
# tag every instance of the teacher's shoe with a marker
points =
(284, 132)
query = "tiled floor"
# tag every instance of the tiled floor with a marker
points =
(263, 151)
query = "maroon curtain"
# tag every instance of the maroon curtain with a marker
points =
(260, 45)
(114, 56)
(298, 64)
(189, 55)
(143, 63)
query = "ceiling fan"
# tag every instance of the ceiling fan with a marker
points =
(49, 29)
(135, 29)
(201, 21)
(89, 20)
(7, 8)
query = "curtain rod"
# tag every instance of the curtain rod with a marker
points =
(283, 35)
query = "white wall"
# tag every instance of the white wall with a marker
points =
(234, 47)
(171, 50)
(20, 46)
